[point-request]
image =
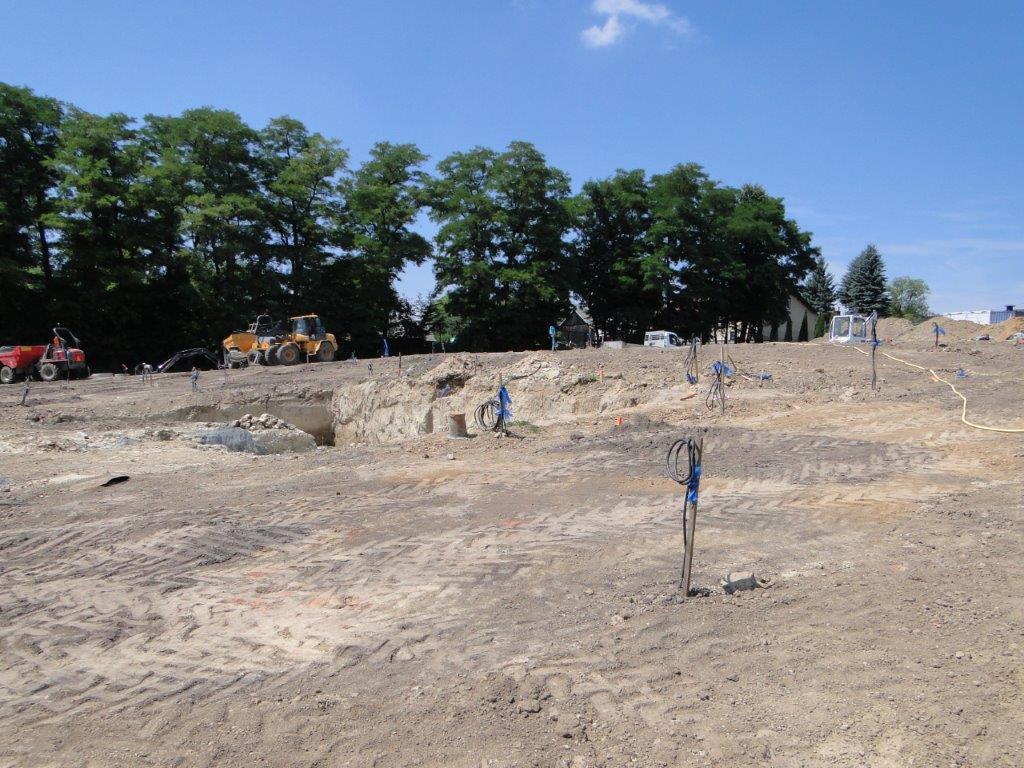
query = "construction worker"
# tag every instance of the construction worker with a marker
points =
(194, 378)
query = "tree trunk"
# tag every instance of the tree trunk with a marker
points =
(44, 254)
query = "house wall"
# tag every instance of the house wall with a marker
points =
(797, 310)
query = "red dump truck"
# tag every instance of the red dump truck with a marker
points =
(60, 359)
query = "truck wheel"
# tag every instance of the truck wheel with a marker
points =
(288, 354)
(326, 352)
(270, 356)
(6, 375)
(255, 357)
(49, 372)
(235, 358)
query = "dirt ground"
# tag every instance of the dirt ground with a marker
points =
(394, 597)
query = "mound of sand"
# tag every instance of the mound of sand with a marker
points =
(956, 331)
(1005, 329)
(892, 327)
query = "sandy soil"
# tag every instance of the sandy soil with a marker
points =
(402, 599)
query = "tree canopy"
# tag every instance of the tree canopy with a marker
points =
(155, 234)
(909, 299)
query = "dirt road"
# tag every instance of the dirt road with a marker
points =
(399, 598)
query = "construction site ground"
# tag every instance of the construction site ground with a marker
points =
(398, 598)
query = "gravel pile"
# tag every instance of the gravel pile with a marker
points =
(261, 422)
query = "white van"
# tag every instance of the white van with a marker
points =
(662, 339)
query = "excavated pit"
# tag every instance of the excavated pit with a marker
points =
(388, 408)
(543, 391)
(312, 415)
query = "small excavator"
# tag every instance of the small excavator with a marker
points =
(266, 342)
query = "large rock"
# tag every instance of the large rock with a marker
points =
(232, 438)
(739, 581)
(283, 441)
(262, 442)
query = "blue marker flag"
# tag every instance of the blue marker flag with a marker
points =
(387, 349)
(505, 403)
(720, 367)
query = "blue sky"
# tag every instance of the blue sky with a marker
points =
(898, 123)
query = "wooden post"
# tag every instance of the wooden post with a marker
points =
(721, 378)
(689, 530)
(873, 322)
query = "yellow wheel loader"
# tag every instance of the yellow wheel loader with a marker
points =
(268, 343)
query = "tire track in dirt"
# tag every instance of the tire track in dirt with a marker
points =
(184, 611)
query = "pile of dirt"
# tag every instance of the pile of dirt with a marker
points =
(956, 331)
(261, 422)
(893, 327)
(1006, 329)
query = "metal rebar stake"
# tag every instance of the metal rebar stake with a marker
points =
(691, 483)
(873, 323)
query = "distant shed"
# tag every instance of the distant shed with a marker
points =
(578, 328)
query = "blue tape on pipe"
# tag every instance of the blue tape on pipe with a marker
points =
(694, 486)
(718, 366)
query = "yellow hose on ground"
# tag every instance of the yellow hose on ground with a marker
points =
(963, 413)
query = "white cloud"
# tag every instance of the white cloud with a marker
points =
(606, 34)
(599, 36)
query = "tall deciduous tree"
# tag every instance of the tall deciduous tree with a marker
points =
(770, 256)
(734, 255)
(29, 137)
(385, 198)
(502, 259)
(211, 154)
(301, 184)
(688, 259)
(909, 298)
(616, 273)
(863, 289)
(98, 165)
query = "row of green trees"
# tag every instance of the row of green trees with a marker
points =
(147, 236)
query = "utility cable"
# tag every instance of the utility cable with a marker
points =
(963, 412)
(692, 363)
(691, 482)
(494, 414)
(716, 392)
